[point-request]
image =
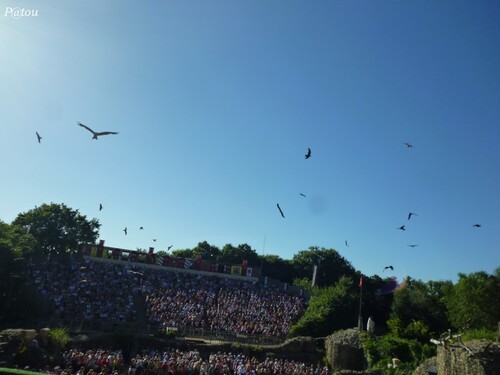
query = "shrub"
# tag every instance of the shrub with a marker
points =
(59, 337)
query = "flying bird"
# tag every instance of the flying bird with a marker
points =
(389, 268)
(168, 248)
(135, 273)
(412, 245)
(308, 155)
(303, 195)
(39, 137)
(100, 206)
(279, 208)
(411, 214)
(96, 134)
(141, 228)
(477, 225)
(402, 227)
(346, 243)
(154, 239)
(125, 230)
(408, 145)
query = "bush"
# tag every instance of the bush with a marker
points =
(478, 334)
(59, 337)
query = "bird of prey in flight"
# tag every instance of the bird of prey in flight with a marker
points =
(125, 230)
(477, 225)
(279, 208)
(402, 227)
(411, 214)
(408, 145)
(389, 268)
(39, 137)
(100, 206)
(308, 155)
(135, 273)
(303, 195)
(168, 248)
(412, 245)
(96, 134)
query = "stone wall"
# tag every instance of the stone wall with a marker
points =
(482, 359)
(344, 351)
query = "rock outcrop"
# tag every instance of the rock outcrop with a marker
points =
(345, 352)
(477, 357)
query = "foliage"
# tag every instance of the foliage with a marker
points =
(471, 304)
(381, 350)
(59, 337)
(305, 284)
(58, 229)
(277, 268)
(331, 265)
(330, 309)
(422, 302)
(479, 334)
(231, 254)
(16, 246)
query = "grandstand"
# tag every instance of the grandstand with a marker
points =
(103, 288)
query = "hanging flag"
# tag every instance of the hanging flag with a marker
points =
(314, 275)
(361, 281)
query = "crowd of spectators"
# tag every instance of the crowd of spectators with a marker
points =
(85, 289)
(177, 362)
(219, 304)
(89, 289)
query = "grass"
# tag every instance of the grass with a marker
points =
(5, 370)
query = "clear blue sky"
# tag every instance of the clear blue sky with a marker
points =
(216, 103)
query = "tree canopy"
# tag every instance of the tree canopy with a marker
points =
(57, 228)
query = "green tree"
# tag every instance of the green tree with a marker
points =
(16, 246)
(277, 268)
(235, 255)
(207, 251)
(331, 265)
(422, 302)
(473, 301)
(330, 309)
(58, 229)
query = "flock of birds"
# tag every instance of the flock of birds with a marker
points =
(96, 135)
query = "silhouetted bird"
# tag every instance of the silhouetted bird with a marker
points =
(39, 137)
(154, 239)
(477, 225)
(303, 195)
(389, 268)
(96, 134)
(168, 248)
(279, 208)
(411, 214)
(100, 206)
(125, 230)
(308, 155)
(141, 228)
(402, 227)
(408, 145)
(346, 244)
(412, 245)
(135, 273)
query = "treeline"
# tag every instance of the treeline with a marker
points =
(416, 310)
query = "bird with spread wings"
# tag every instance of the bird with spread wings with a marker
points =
(96, 134)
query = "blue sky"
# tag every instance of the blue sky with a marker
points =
(217, 102)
